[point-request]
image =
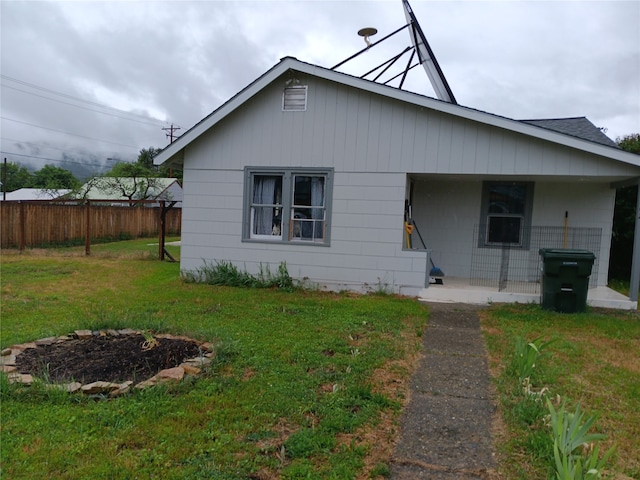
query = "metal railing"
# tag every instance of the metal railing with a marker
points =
(518, 268)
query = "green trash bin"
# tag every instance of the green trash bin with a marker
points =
(565, 279)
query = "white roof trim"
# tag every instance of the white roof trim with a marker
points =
(174, 151)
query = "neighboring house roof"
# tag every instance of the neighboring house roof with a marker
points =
(578, 127)
(106, 188)
(174, 152)
(35, 194)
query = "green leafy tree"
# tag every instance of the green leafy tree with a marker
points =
(52, 178)
(133, 181)
(145, 158)
(630, 143)
(126, 169)
(17, 177)
(624, 219)
(171, 172)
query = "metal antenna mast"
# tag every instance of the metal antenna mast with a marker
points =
(419, 48)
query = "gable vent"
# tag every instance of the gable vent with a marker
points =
(294, 99)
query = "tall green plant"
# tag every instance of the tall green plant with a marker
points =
(574, 449)
(527, 356)
(227, 274)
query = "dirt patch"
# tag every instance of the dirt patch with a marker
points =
(107, 359)
(620, 352)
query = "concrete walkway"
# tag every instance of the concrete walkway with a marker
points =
(446, 427)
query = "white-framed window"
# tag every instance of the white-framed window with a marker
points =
(266, 206)
(287, 205)
(506, 214)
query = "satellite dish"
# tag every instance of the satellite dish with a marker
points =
(427, 58)
(366, 33)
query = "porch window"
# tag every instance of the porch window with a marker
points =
(506, 214)
(287, 205)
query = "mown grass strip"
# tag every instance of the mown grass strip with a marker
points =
(296, 381)
(593, 361)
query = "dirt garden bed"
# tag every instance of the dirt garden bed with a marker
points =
(109, 358)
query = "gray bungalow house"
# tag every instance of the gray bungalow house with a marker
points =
(362, 186)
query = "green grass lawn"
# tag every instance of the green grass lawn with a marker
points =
(305, 384)
(593, 361)
(621, 286)
(300, 381)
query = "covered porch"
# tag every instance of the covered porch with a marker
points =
(485, 234)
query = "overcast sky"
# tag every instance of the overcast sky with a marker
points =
(86, 81)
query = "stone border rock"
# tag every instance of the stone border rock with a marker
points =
(188, 367)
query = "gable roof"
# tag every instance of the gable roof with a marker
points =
(174, 152)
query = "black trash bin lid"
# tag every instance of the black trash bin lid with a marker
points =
(572, 254)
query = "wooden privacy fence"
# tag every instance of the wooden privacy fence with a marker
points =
(49, 222)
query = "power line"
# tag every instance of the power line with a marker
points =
(65, 95)
(67, 133)
(84, 108)
(39, 146)
(34, 144)
(56, 160)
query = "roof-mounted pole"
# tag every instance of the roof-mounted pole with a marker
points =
(427, 58)
(368, 47)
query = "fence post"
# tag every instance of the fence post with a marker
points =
(87, 234)
(23, 223)
(161, 231)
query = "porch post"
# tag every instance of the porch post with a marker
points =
(635, 262)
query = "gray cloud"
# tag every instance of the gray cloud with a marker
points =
(174, 62)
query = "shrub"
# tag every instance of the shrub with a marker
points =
(227, 274)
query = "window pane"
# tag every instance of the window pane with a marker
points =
(267, 205)
(308, 191)
(507, 199)
(504, 229)
(308, 213)
(307, 224)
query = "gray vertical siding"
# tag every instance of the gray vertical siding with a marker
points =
(356, 131)
(372, 143)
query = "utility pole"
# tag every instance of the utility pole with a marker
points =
(4, 180)
(170, 131)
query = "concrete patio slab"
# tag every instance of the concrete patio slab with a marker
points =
(459, 290)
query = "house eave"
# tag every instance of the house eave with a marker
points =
(174, 153)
